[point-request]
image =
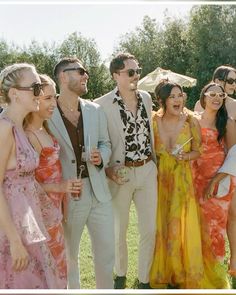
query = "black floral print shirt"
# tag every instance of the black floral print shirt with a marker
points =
(136, 130)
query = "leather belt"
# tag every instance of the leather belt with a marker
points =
(138, 163)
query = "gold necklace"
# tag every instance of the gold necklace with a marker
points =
(68, 108)
(29, 127)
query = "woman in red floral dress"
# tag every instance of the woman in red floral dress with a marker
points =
(49, 174)
(218, 136)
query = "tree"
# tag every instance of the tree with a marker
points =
(86, 50)
(45, 56)
(211, 42)
(194, 47)
(144, 44)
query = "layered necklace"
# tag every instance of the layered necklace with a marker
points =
(72, 114)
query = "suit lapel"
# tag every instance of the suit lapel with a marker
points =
(58, 124)
(86, 119)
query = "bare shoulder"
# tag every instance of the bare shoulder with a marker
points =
(231, 123)
(194, 116)
(7, 139)
(231, 107)
(5, 130)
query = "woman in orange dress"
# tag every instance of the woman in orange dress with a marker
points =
(225, 76)
(49, 173)
(218, 135)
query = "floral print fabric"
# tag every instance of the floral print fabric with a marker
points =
(49, 170)
(177, 257)
(213, 211)
(21, 192)
(136, 130)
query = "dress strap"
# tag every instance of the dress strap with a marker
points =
(34, 133)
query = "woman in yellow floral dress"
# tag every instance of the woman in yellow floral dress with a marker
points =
(178, 256)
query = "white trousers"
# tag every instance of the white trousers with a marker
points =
(98, 217)
(142, 189)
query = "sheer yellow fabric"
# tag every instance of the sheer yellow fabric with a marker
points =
(178, 254)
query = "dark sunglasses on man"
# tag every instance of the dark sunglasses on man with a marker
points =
(35, 87)
(132, 72)
(80, 70)
(230, 81)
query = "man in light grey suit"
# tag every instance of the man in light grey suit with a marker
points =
(132, 172)
(80, 127)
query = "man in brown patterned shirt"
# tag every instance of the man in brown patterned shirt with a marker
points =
(131, 171)
(81, 129)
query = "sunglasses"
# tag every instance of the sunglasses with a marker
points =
(181, 95)
(80, 70)
(230, 81)
(35, 87)
(213, 94)
(132, 72)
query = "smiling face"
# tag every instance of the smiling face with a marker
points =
(24, 94)
(175, 102)
(76, 80)
(228, 87)
(47, 102)
(125, 81)
(213, 98)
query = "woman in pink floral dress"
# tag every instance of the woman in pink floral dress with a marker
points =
(25, 259)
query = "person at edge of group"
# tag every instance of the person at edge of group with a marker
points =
(132, 172)
(81, 129)
(209, 170)
(225, 76)
(25, 259)
(49, 173)
(177, 260)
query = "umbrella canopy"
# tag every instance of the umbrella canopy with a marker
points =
(150, 81)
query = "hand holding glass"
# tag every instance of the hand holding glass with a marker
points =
(121, 173)
(81, 169)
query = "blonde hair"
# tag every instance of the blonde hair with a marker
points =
(11, 76)
(46, 80)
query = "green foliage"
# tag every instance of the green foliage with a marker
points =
(45, 56)
(211, 41)
(193, 47)
(86, 50)
(143, 43)
(86, 259)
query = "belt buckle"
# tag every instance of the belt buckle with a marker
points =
(140, 162)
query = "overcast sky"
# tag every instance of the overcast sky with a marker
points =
(105, 23)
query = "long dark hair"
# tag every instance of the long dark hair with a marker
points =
(163, 91)
(221, 73)
(221, 115)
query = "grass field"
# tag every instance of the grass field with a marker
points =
(86, 262)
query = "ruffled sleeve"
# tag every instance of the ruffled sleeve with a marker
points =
(196, 133)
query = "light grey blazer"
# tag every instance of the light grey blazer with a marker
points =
(115, 126)
(95, 127)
